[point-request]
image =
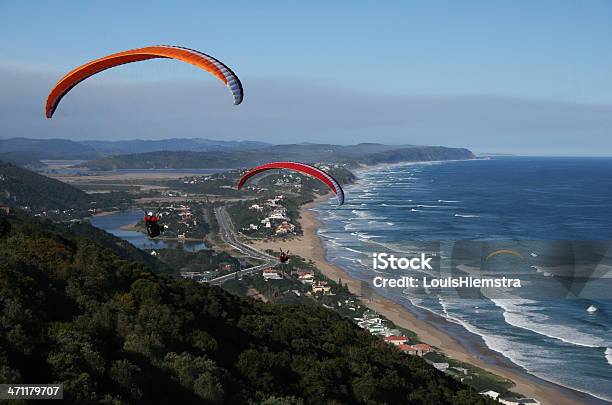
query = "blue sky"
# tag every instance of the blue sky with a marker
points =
(490, 52)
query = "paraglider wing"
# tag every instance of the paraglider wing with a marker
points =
(198, 59)
(299, 167)
(504, 251)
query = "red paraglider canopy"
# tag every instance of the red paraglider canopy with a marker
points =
(299, 167)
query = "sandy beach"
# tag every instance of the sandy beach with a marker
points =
(310, 247)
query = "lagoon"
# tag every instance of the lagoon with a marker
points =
(113, 223)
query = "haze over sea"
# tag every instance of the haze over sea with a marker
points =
(540, 207)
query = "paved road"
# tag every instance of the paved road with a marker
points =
(226, 230)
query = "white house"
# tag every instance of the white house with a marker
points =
(442, 367)
(396, 340)
(490, 393)
(270, 274)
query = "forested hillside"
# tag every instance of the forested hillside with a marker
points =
(112, 331)
(353, 154)
(20, 187)
(22, 159)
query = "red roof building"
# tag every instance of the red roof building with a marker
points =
(423, 347)
(419, 349)
(396, 340)
(408, 349)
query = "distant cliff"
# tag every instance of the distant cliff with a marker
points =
(354, 154)
(419, 154)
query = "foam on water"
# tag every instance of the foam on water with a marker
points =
(520, 352)
(497, 343)
(557, 342)
(366, 237)
(366, 214)
(521, 313)
(542, 271)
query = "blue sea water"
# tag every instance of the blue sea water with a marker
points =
(543, 207)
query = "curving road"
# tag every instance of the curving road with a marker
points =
(226, 231)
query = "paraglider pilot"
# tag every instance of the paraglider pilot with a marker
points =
(283, 257)
(151, 221)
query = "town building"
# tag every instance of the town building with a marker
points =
(271, 274)
(441, 366)
(396, 340)
(423, 348)
(285, 228)
(320, 287)
(490, 393)
(306, 277)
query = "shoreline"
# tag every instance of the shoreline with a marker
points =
(310, 246)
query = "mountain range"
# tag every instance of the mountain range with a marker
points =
(65, 149)
(181, 153)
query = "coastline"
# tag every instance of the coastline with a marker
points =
(310, 246)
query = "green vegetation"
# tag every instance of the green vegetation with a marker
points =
(186, 219)
(21, 187)
(243, 216)
(200, 261)
(124, 250)
(223, 184)
(189, 220)
(418, 154)
(347, 305)
(112, 331)
(42, 195)
(22, 159)
(476, 378)
(354, 154)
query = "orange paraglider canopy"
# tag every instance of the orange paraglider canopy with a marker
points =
(503, 251)
(190, 56)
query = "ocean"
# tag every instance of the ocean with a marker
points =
(553, 214)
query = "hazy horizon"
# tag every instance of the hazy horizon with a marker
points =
(519, 78)
(478, 153)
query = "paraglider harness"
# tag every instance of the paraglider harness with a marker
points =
(151, 221)
(284, 256)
